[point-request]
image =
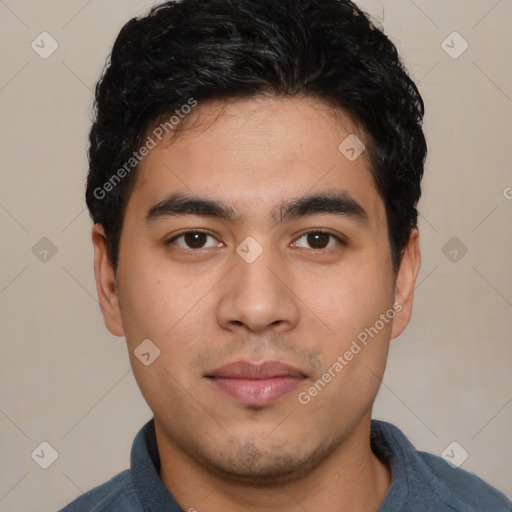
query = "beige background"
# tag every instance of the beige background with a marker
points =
(66, 381)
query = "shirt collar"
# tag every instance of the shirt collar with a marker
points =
(145, 469)
(387, 442)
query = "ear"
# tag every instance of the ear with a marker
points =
(106, 283)
(405, 283)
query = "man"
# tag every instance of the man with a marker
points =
(255, 168)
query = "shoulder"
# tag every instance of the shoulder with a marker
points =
(467, 487)
(116, 495)
(424, 482)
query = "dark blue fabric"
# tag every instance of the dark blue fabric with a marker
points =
(421, 482)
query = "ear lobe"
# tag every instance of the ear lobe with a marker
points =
(105, 283)
(405, 284)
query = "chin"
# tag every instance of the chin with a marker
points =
(261, 462)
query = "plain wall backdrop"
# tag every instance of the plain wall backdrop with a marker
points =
(66, 381)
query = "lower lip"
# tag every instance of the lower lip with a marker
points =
(257, 392)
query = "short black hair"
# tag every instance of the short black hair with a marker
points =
(197, 50)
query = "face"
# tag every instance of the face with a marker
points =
(255, 256)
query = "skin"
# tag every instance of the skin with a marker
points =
(296, 303)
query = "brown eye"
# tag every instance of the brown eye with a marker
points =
(318, 240)
(194, 240)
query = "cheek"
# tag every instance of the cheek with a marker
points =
(360, 316)
(146, 298)
(162, 304)
(154, 310)
(351, 299)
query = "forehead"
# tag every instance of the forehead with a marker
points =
(255, 153)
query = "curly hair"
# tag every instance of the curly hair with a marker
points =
(224, 49)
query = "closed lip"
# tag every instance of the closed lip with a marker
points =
(256, 384)
(252, 370)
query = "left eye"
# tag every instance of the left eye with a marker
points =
(194, 240)
(319, 240)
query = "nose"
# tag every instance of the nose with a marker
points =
(258, 296)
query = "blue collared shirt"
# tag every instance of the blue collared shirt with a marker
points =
(421, 482)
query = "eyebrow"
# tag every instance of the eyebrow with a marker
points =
(335, 203)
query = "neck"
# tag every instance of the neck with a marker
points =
(350, 477)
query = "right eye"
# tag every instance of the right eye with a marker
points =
(193, 240)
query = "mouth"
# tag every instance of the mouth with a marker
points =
(256, 384)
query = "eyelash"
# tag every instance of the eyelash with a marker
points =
(315, 231)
